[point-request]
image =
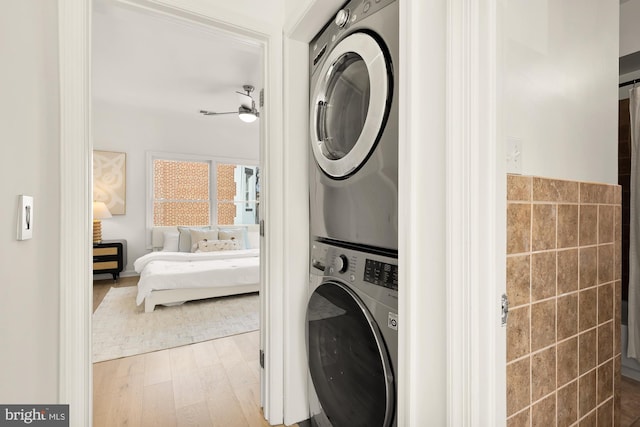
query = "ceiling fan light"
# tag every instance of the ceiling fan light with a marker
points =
(247, 115)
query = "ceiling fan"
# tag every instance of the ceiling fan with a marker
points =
(247, 111)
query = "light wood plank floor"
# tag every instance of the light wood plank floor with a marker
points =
(212, 383)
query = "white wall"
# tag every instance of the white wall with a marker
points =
(629, 27)
(134, 131)
(560, 90)
(29, 154)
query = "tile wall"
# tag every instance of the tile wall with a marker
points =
(563, 284)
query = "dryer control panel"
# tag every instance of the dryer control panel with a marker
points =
(355, 266)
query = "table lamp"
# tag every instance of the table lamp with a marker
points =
(100, 212)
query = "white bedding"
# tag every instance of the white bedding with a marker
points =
(181, 270)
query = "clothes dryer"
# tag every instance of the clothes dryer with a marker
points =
(352, 337)
(354, 126)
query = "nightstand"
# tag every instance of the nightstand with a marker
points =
(109, 256)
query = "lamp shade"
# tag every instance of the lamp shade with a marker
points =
(100, 211)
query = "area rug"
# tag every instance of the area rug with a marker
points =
(120, 328)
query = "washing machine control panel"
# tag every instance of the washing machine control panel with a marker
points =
(381, 273)
(355, 266)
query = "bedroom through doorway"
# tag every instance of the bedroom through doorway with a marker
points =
(152, 74)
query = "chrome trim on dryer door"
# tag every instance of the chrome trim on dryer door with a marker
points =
(368, 49)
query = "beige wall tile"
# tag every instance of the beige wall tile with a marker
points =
(567, 408)
(588, 225)
(518, 280)
(567, 316)
(543, 413)
(605, 414)
(588, 259)
(605, 302)
(518, 333)
(518, 228)
(605, 381)
(587, 349)
(567, 277)
(587, 307)
(543, 373)
(543, 275)
(587, 393)
(605, 224)
(543, 228)
(519, 420)
(568, 226)
(553, 190)
(518, 188)
(596, 193)
(605, 263)
(543, 324)
(567, 356)
(605, 342)
(518, 386)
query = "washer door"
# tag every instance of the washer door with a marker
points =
(348, 360)
(349, 104)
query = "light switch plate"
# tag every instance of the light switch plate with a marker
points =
(25, 217)
(514, 155)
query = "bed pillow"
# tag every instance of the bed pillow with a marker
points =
(184, 239)
(253, 239)
(236, 234)
(198, 235)
(170, 241)
(217, 245)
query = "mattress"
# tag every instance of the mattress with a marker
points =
(168, 270)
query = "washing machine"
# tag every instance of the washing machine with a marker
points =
(354, 126)
(352, 337)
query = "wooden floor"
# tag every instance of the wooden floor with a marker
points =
(213, 383)
(629, 403)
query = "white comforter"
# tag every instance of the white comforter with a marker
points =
(173, 270)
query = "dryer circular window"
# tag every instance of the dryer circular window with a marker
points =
(349, 363)
(350, 102)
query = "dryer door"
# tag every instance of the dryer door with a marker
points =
(349, 104)
(348, 359)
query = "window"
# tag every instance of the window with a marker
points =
(238, 194)
(181, 193)
(185, 191)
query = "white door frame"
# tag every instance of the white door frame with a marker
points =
(452, 182)
(75, 364)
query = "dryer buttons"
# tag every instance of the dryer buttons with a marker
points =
(342, 17)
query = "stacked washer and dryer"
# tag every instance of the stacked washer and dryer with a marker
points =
(352, 313)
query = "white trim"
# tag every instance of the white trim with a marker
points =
(75, 376)
(476, 213)
(76, 148)
(422, 386)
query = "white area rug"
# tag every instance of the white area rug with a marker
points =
(120, 328)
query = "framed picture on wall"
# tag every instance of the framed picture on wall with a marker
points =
(109, 180)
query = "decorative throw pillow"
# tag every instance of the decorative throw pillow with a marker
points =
(217, 245)
(236, 234)
(198, 235)
(253, 239)
(170, 241)
(184, 239)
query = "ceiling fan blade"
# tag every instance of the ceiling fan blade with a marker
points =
(213, 113)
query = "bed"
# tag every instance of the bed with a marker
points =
(191, 263)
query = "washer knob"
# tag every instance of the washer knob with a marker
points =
(342, 17)
(341, 263)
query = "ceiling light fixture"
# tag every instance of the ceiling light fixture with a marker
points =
(247, 111)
